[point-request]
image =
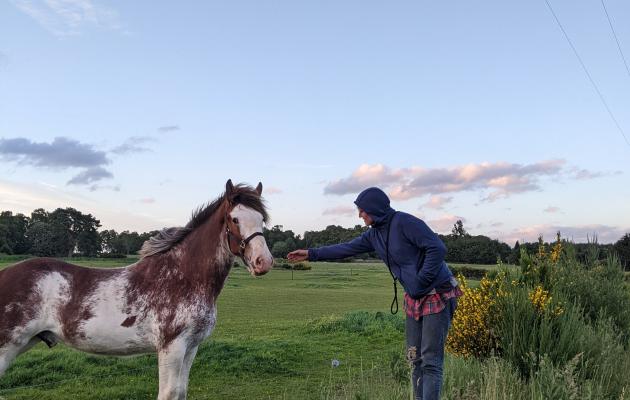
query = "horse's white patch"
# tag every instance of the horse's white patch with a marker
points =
(104, 332)
(52, 289)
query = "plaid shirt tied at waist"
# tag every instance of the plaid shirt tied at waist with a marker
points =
(432, 303)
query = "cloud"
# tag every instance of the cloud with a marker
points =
(133, 145)
(272, 190)
(437, 202)
(147, 200)
(444, 224)
(168, 128)
(579, 233)
(499, 179)
(62, 153)
(69, 17)
(90, 175)
(366, 175)
(340, 210)
(115, 188)
(552, 209)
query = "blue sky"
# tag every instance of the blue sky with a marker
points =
(138, 112)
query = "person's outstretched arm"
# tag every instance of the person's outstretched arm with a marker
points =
(358, 245)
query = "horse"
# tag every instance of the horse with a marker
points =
(165, 303)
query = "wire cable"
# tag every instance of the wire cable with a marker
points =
(616, 38)
(588, 74)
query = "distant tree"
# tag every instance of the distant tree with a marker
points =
(5, 246)
(129, 242)
(78, 232)
(15, 236)
(41, 236)
(39, 215)
(475, 249)
(279, 249)
(622, 248)
(107, 239)
(458, 229)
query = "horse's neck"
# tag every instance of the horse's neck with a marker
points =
(205, 255)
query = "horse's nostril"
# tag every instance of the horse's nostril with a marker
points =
(259, 261)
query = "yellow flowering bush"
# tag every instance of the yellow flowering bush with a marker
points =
(472, 331)
(541, 300)
(474, 327)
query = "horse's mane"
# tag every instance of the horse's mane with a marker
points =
(169, 237)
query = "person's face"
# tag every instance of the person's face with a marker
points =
(366, 218)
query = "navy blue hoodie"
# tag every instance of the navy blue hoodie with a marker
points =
(416, 254)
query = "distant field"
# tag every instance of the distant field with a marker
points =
(268, 344)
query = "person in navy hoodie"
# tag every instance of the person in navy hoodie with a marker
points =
(414, 255)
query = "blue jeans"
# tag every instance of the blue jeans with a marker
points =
(425, 350)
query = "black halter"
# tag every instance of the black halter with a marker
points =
(242, 242)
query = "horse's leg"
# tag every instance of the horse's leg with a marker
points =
(188, 361)
(9, 351)
(171, 367)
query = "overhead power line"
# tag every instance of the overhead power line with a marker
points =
(588, 74)
(616, 38)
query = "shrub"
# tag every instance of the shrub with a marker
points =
(296, 266)
(474, 324)
(599, 290)
(468, 272)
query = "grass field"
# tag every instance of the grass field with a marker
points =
(275, 338)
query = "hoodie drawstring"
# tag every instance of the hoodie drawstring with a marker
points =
(395, 300)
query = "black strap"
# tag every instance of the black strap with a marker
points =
(395, 300)
(242, 244)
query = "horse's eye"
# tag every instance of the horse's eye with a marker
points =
(235, 220)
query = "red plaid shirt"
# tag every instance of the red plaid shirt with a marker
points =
(429, 304)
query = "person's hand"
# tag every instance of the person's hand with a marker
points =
(298, 255)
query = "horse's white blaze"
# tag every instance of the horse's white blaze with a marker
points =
(250, 222)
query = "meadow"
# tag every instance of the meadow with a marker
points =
(276, 338)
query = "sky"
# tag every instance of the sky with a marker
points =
(139, 112)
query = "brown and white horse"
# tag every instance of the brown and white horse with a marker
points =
(164, 303)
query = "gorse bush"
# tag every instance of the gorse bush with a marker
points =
(560, 325)
(473, 327)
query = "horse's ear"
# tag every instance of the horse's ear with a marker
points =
(229, 187)
(259, 188)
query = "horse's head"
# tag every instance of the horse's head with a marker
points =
(245, 218)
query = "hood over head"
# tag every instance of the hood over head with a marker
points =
(376, 204)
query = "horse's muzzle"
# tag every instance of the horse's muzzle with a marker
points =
(262, 265)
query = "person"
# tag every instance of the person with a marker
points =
(414, 255)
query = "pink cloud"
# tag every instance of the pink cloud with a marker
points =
(552, 209)
(500, 179)
(272, 190)
(437, 202)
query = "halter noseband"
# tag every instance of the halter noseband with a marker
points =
(243, 242)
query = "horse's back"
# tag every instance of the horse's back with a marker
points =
(37, 293)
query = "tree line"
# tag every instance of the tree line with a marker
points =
(64, 232)
(67, 232)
